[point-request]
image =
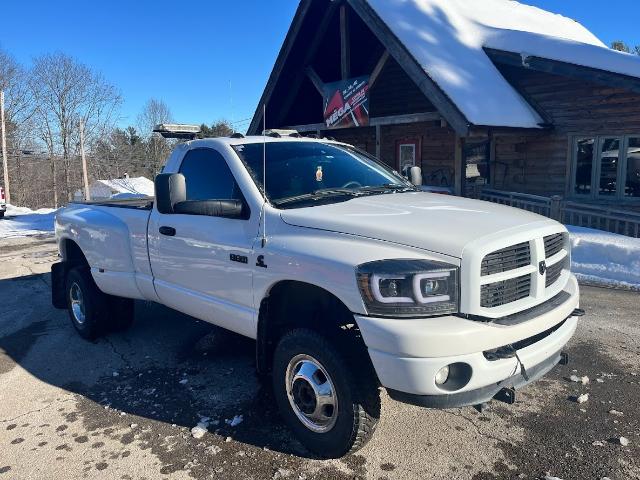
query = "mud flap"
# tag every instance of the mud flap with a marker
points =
(58, 280)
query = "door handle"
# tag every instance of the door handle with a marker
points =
(168, 231)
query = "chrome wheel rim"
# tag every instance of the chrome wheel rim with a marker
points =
(311, 393)
(77, 303)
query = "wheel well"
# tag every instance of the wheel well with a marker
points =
(73, 254)
(293, 304)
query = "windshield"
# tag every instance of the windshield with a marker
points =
(308, 172)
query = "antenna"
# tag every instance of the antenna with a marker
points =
(264, 174)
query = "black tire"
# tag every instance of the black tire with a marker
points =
(93, 303)
(358, 397)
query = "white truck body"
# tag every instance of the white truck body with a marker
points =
(3, 203)
(323, 246)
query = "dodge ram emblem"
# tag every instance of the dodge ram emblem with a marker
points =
(542, 267)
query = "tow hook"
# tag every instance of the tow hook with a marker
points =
(506, 395)
(578, 312)
(564, 358)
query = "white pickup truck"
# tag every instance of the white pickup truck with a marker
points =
(347, 276)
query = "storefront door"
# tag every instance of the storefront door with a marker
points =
(408, 154)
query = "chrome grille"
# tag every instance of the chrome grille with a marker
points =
(553, 244)
(554, 271)
(506, 259)
(506, 291)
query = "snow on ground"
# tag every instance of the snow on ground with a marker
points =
(24, 222)
(605, 259)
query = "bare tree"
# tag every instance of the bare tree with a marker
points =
(154, 113)
(621, 46)
(67, 92)
(19, 109)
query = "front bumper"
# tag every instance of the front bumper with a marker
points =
(407, 354)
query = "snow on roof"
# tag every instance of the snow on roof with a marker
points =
(447, 38)
(135, 185)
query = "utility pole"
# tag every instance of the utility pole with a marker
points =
(3, 134)
(85, 177)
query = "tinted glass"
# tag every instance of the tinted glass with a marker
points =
(609, 157)
(299, 168)
(584, 165)
(632, 185)
(476, 156)
(208, 177)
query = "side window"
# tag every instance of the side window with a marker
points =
(208, 177)
(607, 167)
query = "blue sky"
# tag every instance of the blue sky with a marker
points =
(210, 60)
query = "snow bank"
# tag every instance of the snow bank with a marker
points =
(24, 222)
(604, 258)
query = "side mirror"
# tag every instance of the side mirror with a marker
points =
(415, 176)
(171, 189)
(212, 208)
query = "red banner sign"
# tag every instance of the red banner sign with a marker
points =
(346, 103)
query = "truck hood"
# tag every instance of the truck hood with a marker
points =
(438, 223)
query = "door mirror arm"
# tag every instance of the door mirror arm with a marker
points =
(236, 209)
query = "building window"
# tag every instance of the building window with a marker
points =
(609, 151)
(606, 167)
(408, 154)
(632, 180)
(584, 165)
(476, 155)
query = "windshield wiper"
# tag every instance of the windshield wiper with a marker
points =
(388, 187)
(319, 194)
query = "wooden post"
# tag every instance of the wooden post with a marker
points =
(459, 167)
(5, 166)
(345, 50)
(85, 176)
(315, 79)
(378, 68)
(555, 208)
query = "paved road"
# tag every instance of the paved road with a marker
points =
(122, 408)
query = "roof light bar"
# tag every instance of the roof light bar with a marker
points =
(177, 130)
(277, 133)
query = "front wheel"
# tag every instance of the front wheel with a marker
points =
(331, 410)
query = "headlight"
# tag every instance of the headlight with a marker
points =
(409, 287)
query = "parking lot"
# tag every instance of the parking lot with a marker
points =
(123, 407)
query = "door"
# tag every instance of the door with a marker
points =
(200, 263)
(408, 154)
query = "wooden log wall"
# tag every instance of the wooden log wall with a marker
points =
(539, 163)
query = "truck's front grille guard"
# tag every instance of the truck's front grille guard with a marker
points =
(511, 258)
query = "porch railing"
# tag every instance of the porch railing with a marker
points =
(623, 222)
(533, 203)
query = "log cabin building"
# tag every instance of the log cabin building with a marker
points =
(491, 94)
